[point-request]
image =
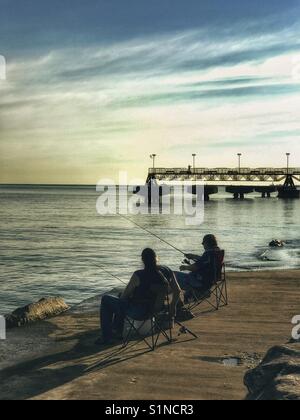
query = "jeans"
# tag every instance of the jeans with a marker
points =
(113, 312)
(188, 280)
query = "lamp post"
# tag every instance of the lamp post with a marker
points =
(153, 159)
(194, 162)
(239, 156)
(288, 162)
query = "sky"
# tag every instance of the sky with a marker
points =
(93, 88)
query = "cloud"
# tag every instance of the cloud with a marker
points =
(77, 113)
(36, 26)
(247, 93)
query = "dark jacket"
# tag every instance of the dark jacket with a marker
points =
(210, 266)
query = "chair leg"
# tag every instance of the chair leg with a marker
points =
(128, 335)
(140, 338)
(226, 293)
(217, 299)
(171, 333)
(152, 335)
(223, 295)
(225, 285)
(160, 332)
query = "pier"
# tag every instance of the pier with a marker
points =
(237, 181)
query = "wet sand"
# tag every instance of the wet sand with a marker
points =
(56, 359)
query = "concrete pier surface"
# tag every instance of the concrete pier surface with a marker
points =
(57, 358)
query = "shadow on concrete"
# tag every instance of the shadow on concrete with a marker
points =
(32, 378)
(29, 379)
(130, 352)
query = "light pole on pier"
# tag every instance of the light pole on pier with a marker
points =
(194, 162)
(153, 159)
(239, 156)
(288, 162)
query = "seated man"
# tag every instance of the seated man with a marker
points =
(203, 272)
(135, 300)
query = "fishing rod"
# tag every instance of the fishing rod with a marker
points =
(145, 230)
(151, 233)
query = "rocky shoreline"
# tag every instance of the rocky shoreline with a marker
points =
(43, 309)
(278, 376)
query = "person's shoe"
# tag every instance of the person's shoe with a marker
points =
(107, 342)
(102, 342)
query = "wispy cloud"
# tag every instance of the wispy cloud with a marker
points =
(76, 113)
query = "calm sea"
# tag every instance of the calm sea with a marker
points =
(52, 240)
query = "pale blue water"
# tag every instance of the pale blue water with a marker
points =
(51, 239)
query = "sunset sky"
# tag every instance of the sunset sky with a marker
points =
(95, 87)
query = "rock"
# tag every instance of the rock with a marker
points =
(43, 309)
(278, 375)
(276, 243)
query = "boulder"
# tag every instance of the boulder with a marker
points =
(44, 308)
(278, 375)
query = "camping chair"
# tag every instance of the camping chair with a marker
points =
(160, 322)
(217, 295)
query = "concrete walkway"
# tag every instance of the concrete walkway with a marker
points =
(56, 359)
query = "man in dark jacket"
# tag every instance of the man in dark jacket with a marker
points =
(202, 273)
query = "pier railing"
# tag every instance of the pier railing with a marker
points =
(224, 174)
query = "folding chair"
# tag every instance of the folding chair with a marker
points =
(217, 296)
(161, 323)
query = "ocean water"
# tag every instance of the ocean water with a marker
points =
(52, 240)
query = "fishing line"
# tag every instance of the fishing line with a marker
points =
(145, 230)
(110, 274)
(151, 233)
